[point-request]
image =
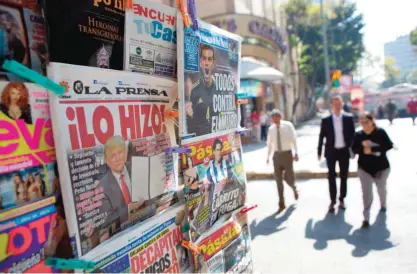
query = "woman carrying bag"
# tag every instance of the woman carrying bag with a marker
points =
(372, 143)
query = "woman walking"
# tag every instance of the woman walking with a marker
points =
(372, 143)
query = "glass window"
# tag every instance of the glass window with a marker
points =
(243, 6)
(269, 9)
(258, 8)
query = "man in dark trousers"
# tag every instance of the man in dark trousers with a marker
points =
(338, 129)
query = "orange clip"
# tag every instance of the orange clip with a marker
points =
(183, 9)
(248, 208)
(242, 101)
(171, 114)
(191, 246)
(129, 4)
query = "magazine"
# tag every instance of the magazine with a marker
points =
(214, 180)
(27, 153)
(208, 79)
(154, 247)
(227, 248)
(151, 39)
(86, 32)
(22, 37)
(111, 133)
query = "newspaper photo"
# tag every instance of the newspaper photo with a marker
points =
(208, 78)
(111, 132)
(28, 169)
(227, 249)
(22, 37)
(31, 233)
(87, 33)
(151, 39)
(214, 180)
(154, 247)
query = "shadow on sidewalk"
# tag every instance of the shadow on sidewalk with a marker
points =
(374, 238)
(253, 147)
(270, 224)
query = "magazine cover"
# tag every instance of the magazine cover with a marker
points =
(214, 180)
(27, 154)
(154, 247)
(227, 249)
(151, 39)
(208, 78)
(31, 233)
(111, 133)
(86, 32)
(22, 37)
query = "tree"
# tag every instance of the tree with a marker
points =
(391, 73)
(413, 37)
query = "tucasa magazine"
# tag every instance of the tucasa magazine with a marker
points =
(22, 37)
(208, 79)
(86, 32)
(151, 39)
(152, 247)
(214, 180)
(111, 133)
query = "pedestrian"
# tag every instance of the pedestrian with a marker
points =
(372, 144)
(338, 129)
(381, 111)
(412, 108)
(256, 130)
(263, 119)
(391, 110)
(282, 140)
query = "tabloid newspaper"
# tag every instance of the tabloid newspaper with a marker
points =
(22, 36)
(208, 78)
(151, 39)
(111, 133)
(153, 247)
(31, 233)
(214, 180)
(86, 32)
(227, 249)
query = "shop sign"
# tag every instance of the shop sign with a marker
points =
(251, 89)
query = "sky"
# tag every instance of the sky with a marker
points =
(385, 20)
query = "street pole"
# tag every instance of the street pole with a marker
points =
(326, 53)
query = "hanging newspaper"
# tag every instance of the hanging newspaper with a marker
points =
(154, 247)
(22, 37)
(214, 180)
(27, 154)
(87, 33)
(226, 249)
(208, 78)
(151, 39)
(111, 133)
(31, 233)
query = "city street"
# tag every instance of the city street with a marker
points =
(304, 238)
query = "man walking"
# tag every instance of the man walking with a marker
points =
(281, 141)
(412, 108)
(263, 119)
(338, 129)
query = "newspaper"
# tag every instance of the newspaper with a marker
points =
(87, 33)
(214, 180)
(151, 39)
(31, 233)
(22, 37)
(27, 154)
(111, 133)
(227, 248)
(153, 247)
(208, 78)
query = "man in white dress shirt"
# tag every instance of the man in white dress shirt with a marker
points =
(281, 141)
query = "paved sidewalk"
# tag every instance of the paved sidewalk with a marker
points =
(308, 167)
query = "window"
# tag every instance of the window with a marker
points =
(243, 6)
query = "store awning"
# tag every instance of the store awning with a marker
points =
(254, 69)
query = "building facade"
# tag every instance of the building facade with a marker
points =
(403, 52)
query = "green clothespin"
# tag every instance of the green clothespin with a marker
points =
(31, 75)
(185, 228)
(59, 263)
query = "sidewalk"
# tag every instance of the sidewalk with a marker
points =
(308, 166)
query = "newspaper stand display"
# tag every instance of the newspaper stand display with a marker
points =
(148, 175)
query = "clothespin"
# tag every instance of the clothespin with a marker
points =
(241, 130)
(191, 246)
(31, 75)
(185, 228)
(128, 4)
(183, 9)
(184, 150)
(247, 209)
(171, 114)
(242, 101)
(59, 263)
(193, 13)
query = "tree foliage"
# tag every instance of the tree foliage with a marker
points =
(413, 37)
(344, 32)
(391, 73)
